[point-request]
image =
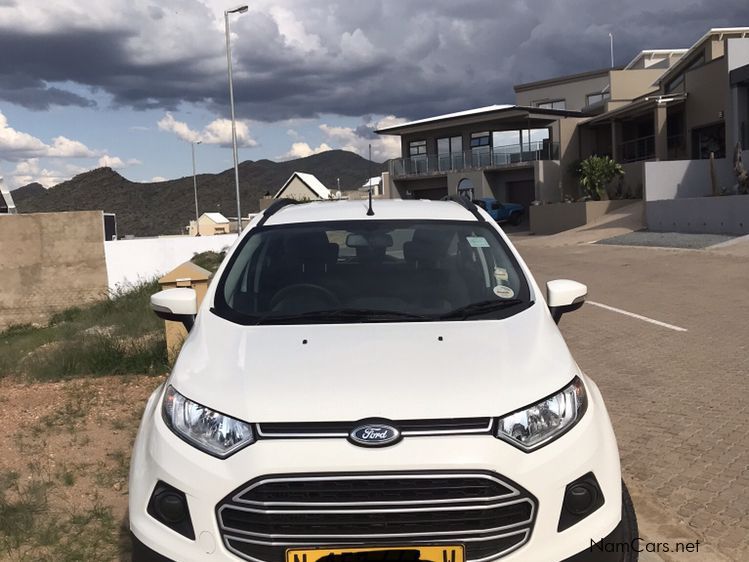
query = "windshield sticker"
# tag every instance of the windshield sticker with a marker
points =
(500, 274)
(504, 292)
(477, 241)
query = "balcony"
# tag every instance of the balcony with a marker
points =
(635, 150)
(643, 148)
(476, 159)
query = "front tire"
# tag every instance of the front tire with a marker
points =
(515, 218)
(629, 522)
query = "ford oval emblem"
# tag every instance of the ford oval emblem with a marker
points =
(374, 433)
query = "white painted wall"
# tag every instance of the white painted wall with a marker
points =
(142, 259)
(678, 179)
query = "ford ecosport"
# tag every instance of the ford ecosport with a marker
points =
(376, 384)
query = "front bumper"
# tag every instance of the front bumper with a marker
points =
(590, 446)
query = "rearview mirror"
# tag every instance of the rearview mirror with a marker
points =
(564, 295)
(177, 305)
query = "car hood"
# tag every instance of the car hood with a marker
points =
(398, 371)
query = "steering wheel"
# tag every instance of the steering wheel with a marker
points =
(298, 291)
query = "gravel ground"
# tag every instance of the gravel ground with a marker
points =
(667, 240)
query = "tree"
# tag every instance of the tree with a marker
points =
(596, 172)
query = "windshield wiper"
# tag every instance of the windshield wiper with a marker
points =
(350, 314)
(478, 308)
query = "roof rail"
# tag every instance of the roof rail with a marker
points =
(468, 205)
(274, 207)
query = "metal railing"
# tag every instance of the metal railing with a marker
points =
(642, 148)
(478, 158)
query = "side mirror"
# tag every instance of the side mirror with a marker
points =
(564, 295)
(177, 305)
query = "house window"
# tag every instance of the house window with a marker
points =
(553, 104)
(698, 61)
(535, 140)
(481, 148)
(450, 153)
(480, 139)
(506, 146)
(598, 97)
(675, 85)
(418, 148)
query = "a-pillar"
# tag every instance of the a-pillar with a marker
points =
(660, 127)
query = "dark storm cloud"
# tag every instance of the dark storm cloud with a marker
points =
(300, 59)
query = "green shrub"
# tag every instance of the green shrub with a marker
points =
(596, 172)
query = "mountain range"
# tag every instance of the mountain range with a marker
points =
(166, 207)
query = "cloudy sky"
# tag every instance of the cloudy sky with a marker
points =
(128, 84)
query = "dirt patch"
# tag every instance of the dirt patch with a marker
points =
(64, 461)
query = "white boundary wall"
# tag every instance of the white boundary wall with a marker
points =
(142, 259)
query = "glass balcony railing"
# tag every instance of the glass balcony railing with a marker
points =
(478, 158)
(642, 148)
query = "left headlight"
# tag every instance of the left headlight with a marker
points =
(212, 432)
(536, 425)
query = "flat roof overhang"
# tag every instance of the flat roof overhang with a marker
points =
(636, 109)
(509, 113)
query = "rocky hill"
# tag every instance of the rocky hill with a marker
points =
(151, 209)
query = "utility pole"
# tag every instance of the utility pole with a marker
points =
(611, 41)
(195, 188)
(238, 10)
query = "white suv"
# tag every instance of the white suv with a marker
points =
(364, 387)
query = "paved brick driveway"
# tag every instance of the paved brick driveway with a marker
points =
(679, 401)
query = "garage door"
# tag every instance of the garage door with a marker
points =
(522, 192)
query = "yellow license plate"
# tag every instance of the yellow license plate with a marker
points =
(411, 553)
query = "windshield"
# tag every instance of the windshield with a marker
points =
(373, 271)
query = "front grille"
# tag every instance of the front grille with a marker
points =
(447, 426)
(490, 515)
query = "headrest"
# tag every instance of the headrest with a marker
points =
(422, 252)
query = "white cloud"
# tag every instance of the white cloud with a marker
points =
(16, 145)
(63, 147)
(179, 128)
(302, 150)
(158, 178)
(217, 131)
(29, 171)
(108, 161)
(359, 139)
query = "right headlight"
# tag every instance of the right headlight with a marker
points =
(536, 425)
(212, 432)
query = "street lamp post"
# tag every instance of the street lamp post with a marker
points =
(195, 188)
(238, 10)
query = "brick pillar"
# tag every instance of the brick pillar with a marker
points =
(661, 132)
(616, 140)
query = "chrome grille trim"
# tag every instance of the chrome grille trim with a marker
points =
(266, 534)
(426, 476)
(436, 535)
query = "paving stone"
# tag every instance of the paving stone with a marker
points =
(679, 401)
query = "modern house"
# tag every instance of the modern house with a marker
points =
(209, 224)
(665, 105)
